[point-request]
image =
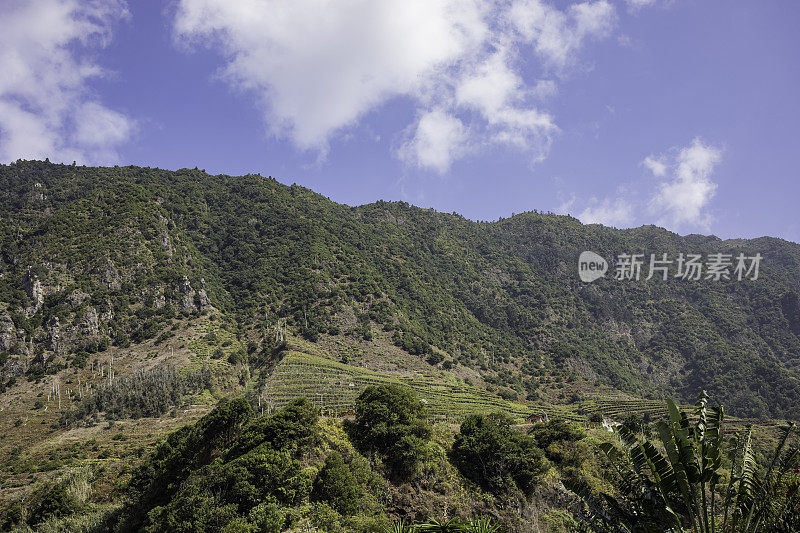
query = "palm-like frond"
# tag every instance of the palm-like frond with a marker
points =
(483, 525)
(401, 526)
(454, 525)
(676, 490)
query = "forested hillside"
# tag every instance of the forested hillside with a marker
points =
(99, 257)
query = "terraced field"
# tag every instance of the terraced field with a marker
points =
(617, 409)
(313, 370)
(334, 387)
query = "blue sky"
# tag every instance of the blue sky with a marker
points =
(681, 113)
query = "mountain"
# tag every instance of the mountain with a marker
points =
(93, 258)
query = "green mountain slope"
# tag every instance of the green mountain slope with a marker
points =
(92, 257)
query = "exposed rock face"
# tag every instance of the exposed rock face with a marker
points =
(166, 242)
(110, 277)
(54, 335)
(76, 298)
(205, 303)
(91, 322)
(159, 300)
(159, 296)
(187, 296)
(33, 288)
(8, 333)
(38, 193)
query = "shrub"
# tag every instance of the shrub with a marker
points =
(507, 394)
(337, 486)
(391, 421)
(57, 501)
(557, 430)
(496, 457)
(292, 425)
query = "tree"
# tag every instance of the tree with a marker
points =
(491, 453)
(556, 430)
(294, 425)
(391, 422)
(336, 485)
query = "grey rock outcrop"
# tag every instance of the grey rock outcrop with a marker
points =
(159, 298)
(202, 296)
(166, 242)
(91, 322)
(187, 296)
(54, 335)
(76, 298)
(33, 288)
(8, 333)
(110, 277)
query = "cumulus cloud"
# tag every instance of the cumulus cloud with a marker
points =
(438, 140)
(46, 105)
(319, 66)
(682, 199)
(679, 202)
(655, 165)
(614, 212)
(316, 68)
(557, 35)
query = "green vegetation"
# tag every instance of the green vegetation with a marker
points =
(337, 485)
(62, 498)
(391, 422)
(698, 479)
(501, 298)
(292, 470)
(435, 337)
(328, 383)
(144, 394)
(490, 453)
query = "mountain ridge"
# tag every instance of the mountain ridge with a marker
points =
(118, 251)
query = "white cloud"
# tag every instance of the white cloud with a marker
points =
(490, 86)
(544, 89)
(682, 200)
(557, 35)
(498, 95)
(438, 140)
(655, 165)
(609, 212)
(679, 202)
(46, 106)
(635, 5)
(567, 201)
(317, 67)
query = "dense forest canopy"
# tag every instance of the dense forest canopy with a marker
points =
(502, 297)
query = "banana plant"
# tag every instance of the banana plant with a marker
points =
(453, 525)
(678, 490)
(400, 526)
(484, 525)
